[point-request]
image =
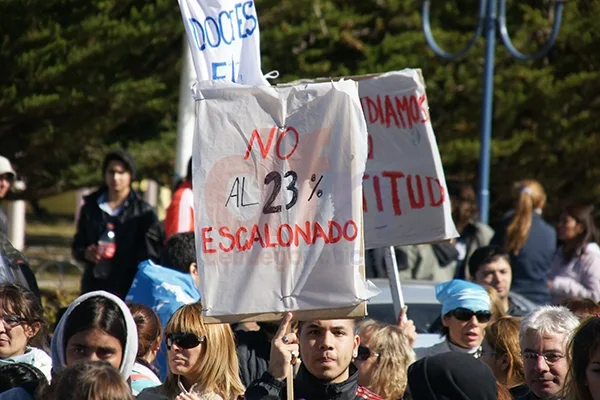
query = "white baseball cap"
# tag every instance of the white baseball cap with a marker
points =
(6, 168)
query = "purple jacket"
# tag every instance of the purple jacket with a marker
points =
(579, 277)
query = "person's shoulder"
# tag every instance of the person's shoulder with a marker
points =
(364, 393)
(153, 393)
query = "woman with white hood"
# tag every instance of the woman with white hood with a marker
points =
(465, 315)
(96, 326)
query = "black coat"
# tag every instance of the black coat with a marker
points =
(139, 236)
(307, 387)
(253, 351)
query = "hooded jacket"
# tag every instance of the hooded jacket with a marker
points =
(451, 376)
(131, 343)
(307, 387)
(139, 236)
(34, 357)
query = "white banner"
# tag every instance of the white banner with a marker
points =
(277, 192)
(405, 196)
(225, 41)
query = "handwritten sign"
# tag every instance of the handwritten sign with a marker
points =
(277, 188)
(224, 38)
(405, 199)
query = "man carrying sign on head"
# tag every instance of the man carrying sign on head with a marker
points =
(326, 348)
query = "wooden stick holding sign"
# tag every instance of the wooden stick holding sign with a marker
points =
(391, 265)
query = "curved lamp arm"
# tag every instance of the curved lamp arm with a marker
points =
(426, 20)
(558, 13)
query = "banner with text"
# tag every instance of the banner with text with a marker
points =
(225, 41)
(277, 188)
(405, 200)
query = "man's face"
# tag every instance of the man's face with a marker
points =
(5, 183)
(117, 177)
(327, 348)
(545, 376)
(496, 274)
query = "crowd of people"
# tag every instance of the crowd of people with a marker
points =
(519, 316)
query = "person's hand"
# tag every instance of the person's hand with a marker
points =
(284, 350)
(407, 326)
(91, 253)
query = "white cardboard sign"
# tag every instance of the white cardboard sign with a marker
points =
(405, 198)
(277, 192)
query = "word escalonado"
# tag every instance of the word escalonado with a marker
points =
(285, 236)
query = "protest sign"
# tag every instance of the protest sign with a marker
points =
(277, 192)
(405, 200)
(224, 38)
(405, 196)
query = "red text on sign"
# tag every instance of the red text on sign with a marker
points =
(401, 112)
(415, 186)
(265, 149)
(284, 235)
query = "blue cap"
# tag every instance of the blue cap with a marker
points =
(462, 294)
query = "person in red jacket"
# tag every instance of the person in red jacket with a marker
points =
(180, 214)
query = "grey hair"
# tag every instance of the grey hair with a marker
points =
(549, 320)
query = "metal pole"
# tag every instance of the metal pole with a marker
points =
(486, 24)
(487, 111)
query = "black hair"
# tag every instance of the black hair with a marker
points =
(22, 375)
(121, 156)
(189, 171)
(484, 256)
(179, 252)
(97, 312)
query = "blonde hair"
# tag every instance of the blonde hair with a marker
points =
(503, 337)
(496, 307)
(390, 375)
(96, 380)
(217, 369)
(529, 195)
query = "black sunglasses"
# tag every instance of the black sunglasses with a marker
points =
(184, 340)
(463, 314)
(364, 353)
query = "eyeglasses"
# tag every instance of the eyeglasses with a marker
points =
(364, 353)
(550, 357)
(184, 340)
(463, 314)
(10, 321)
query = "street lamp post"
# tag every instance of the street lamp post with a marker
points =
(492, 15)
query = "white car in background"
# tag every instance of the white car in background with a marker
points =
(423, 307)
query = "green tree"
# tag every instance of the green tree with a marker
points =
(78, 77)
(544, 125)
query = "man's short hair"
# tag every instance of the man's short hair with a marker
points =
(549, 320)
(179, 252)
(484, 256)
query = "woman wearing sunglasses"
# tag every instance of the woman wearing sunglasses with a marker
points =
(465, 315)
(383, 358)
(202, 360)
(22, 327)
